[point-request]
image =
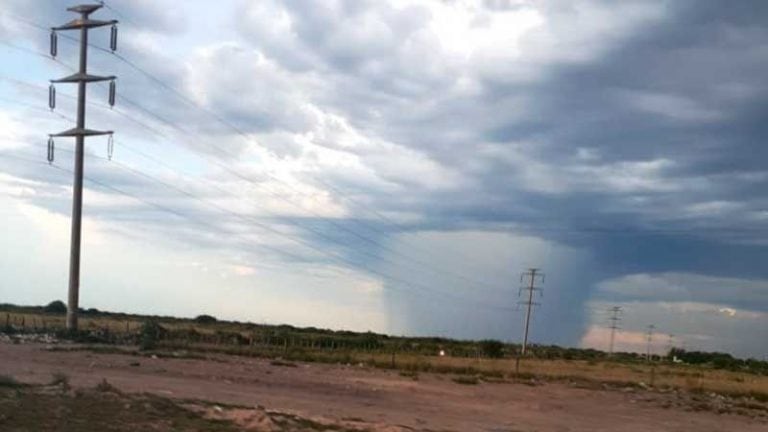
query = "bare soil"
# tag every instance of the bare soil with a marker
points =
(273, 396)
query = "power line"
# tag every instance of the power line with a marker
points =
(604, 231)
(415, 286)
(411, 263)
(290, 221)
(122, 16)
(248, 139)
(410, 260)
(336, 257)
(531, 274)
(630, 231)
(156, 160)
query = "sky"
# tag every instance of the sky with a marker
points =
(395, 166)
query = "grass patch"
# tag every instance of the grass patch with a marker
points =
(32, 410)
(282, 363)
(466, 380)
(105, 387)
(60, 379)
(7, 381)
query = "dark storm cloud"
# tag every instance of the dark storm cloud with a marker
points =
(648, 153)
(687, 92)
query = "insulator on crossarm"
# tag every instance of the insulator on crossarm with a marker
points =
(52, 97)
(54, 44)
(110, 146)
(112, 93)
(113, 38)
(50, 150)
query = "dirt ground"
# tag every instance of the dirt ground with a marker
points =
(367, 399)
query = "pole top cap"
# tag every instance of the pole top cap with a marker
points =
(85, 8)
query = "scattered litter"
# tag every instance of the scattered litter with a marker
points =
(29, 338)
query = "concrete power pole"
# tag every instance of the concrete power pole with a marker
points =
(670, 344)
(650, 340)
(83, 23)
(615, 318)
(531, 275)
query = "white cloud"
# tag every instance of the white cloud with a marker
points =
(670, 106)
(686, 287)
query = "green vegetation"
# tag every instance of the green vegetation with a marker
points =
(7, 381)
(206, 333)
(718, 360)
(60, 379)
(55, 307)
(492, 348)
(150, 333)
(466, 380)
(34, 410)
(205, 319)
(283, 363)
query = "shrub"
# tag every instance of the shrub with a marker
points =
(9, 381)
(55, 307)
(150, 333)
(205, 319)
(466, 380)
(105, 387)
(492, 348)
(60, 379)
(283, 363)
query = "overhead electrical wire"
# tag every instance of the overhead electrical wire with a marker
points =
(240, 132)
(292, 221)
(248, 139)
(337, 258)
(425, 265)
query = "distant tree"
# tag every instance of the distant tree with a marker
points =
(492, 348)
(205, 319)
(151, 332)
(55, 307)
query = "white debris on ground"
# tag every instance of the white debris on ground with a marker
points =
(44, 338)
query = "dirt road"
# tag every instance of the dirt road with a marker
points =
(384, 400)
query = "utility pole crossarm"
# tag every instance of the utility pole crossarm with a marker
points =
(85, 23)
(79, 132)
(76, 132)
(80, 77)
